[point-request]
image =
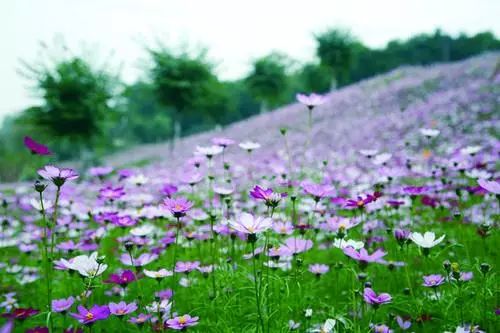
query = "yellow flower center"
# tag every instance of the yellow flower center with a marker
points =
(89, 316)
(182, 320)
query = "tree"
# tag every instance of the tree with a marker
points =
(76, 102)
(183, 82)
(314, 78)
(268, 80)
(335, 50)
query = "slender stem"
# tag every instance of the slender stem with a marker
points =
(257, 294)
(47, 263)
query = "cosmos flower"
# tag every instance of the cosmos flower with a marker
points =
(363, 257)
(295, 246)
(283, 228)
(429, 132)
(186, 266)
(86, 265)
(178, 206)
(372, 298)
(271, 198)
(95, 313)
(249, 146)
(111, 193)
(248, 224)
(63, 304)
(318, 269)
(159, 274)
(140, 319)
(318, 191)
(402, 323)
(427, 240)
(56, 175)
(223, 142)
(100, 171)
(122, 279)
(491, 186)
(21, 313)
(312, 100)
(143, 259)
(433, 280)
(35, 147)
(38, 329)
(209, 152)
(122, 308)
(182, 322)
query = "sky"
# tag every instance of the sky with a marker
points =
(113, 33)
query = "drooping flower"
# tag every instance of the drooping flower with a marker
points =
(121, 308)
(178, 206)
(56, 175)
(63, 304)
(86, 317)
(248, 224)
(271, 198)
(182, 322)
(427, 240)
(36, 147)
(372, 298)
(312, 100)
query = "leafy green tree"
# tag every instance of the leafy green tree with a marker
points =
(76, 103)
(268, 80)
(314, 78)
(335, 50)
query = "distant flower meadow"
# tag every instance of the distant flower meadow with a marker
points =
(370, 209)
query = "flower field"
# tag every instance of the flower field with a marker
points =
(374, 208)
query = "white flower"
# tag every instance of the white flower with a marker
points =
(86, 265)
(137, 180)
(164, 306)
(308, 313)
(368, 152)
(158, 274)
(327, 327)
(382, 158)
(427, 240)
(343, 243)
(143, 230)
(470, 150)
(209, 151)
(249, 145)
(35, 203)
(429, 132)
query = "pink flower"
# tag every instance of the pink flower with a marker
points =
(122, 308)
(248, 224)
(56, 175)
(319, 269)
(35, 147)
(491, 186)
(182, 322)
(363, 257)
(178, 207)
(97, 312)
(311, 100)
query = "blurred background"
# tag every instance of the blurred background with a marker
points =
(92, 77)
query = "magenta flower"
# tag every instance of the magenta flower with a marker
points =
(491, 186)
(86, 317)
(271, 198)
(433, 280)
(63, 304)
(122, 308)
(35, 147)
(56, 175)
(122, 279)
(21, 313)
(372, 298)
(182, 322)
(169, 190)
(363, 257)
(39, 329)
(312, 100)
(178, 207)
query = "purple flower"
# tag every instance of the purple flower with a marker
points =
(142, 260)
(402, 236)
(123, 278)
(140, 319)
(35, 147)
(491, 186)
(295, 246)
(38, 329)
(169, 190)
(248, 224)
(271, 198)
(178, 207)
(372, 298)
(318, 191)
(182, 322)
(56, 175)
(223, 142)
(433, 280)
(100, 171)
(187, 266)
(311, 100)
(318, 269)
(111, 193)
(86, 317)
(403, 323)
(63, 304)
(363, 257)
(416, 190)
(122, 308)
(380, 328)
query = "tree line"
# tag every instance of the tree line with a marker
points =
(85, 111)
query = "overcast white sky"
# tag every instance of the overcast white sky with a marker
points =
(234, 31)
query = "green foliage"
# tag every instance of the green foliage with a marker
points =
(268, 80)
(314, 78)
